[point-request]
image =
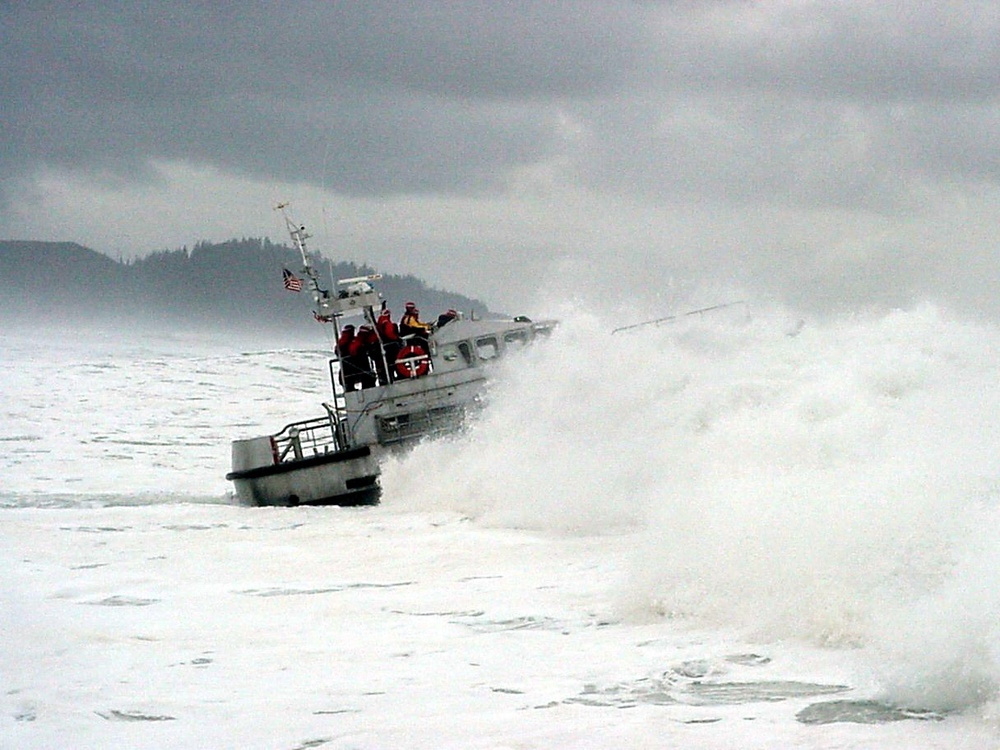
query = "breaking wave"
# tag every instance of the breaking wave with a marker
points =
(834, 482)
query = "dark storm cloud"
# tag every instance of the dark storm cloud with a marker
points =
(406, 97)
(821, 104)
(860, 51)
(842, 105)
(815, 150)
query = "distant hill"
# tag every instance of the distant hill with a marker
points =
(235, 284)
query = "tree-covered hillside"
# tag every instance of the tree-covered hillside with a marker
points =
(235, 284)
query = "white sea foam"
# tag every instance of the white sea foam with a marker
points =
(726, 499)
(827, 486)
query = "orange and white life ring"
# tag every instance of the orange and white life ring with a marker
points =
(412, 362)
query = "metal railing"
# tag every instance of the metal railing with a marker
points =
(310, 437)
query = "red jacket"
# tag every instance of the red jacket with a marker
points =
(355, 347)
(388, 330)
(344, 343)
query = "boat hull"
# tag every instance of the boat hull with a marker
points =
(407, 411)
(347, 478)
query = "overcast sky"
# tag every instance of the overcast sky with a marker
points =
(832, 156)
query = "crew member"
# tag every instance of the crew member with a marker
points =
(389, 333)
(410, 325)
(446, 317)
(349, 374)
(361, 355)
(372, 347)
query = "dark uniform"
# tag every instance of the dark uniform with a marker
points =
(446, 317)
(373, 353)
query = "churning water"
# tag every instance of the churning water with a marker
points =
(798, 515)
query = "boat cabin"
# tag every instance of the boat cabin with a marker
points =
(475, 343)
(436, 394)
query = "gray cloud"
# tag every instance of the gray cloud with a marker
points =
(874, 123)
(436, 97)
(405, 97)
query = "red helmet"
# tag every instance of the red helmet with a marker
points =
(411, 305)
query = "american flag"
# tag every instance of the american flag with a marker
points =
(292, 282)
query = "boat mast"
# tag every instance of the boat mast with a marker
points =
(362, 299)
(298, 234)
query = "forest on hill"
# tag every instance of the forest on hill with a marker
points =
(235, 284)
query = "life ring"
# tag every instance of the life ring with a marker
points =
(412, 361)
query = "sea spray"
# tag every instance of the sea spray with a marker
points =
(555, 449)
(941, 649)
(848, 497)
(819, 486)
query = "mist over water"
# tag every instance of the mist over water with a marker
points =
(837, 486)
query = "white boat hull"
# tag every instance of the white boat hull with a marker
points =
(348, 477)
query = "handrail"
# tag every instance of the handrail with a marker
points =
(669, 318)
(309, 437)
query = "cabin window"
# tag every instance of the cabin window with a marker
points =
(452, 352)
(516, 339)
(466, 351)
(487, 347)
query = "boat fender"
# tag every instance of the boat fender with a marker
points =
(412, 361)
(274, 451)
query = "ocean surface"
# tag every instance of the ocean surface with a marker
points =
(731, 531)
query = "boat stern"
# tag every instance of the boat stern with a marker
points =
(262, 476)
